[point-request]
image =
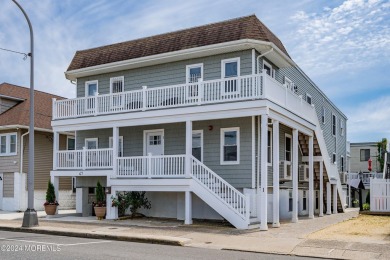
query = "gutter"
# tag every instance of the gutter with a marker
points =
(25, 127)
(262, 55)
(21, 150)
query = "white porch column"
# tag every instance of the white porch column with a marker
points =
(334, 198)
(112, 212)
(264, 173)
(321, 189)
(188, 148)
(55, 180)
(253, 153)
(328, 198)
(311, 179)
(295, 175)
(275, 166)
(115, 149)
(188, 208)
(56, 141)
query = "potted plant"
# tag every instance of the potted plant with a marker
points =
(51, 202)
(100, 205)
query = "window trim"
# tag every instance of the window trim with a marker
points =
(269, 157)
(334, 124)
(285, 147)
(361, 155)
(342, 163)
(87, 83)
(311, 99)
(190, 66)
(342, 127)
(223, 62)
(288, 83)
(334, 158)
(222, 145)
(323, 119)
(110, 143)
(8, 144)
(91, 139)
(123, 82)
(201, 141)
(266, 63)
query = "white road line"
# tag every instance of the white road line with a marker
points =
(39, 242)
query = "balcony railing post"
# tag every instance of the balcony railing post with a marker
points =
(84, 158)
(149, 165)
(96, 104)
(200, 91)
(54, 110)
(144, 97)
(247, 207)
(264, 77)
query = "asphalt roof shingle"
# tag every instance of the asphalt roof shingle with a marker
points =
(20, 113)
(248, 27)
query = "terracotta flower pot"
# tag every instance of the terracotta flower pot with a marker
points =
(100, 212)
(50, 209)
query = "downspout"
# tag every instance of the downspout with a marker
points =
(262, 55)
(21, 159)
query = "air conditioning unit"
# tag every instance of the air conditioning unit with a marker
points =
(303, 173)
(285, 171)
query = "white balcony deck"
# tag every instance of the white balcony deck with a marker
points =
(365, 177)
(251, 87)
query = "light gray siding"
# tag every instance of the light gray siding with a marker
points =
(356, 164)
(8, 185)
(11, 163)
(167, 74)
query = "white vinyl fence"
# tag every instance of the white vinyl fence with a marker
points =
(380, 195)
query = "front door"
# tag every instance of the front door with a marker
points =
(154, 140)
(154, 145)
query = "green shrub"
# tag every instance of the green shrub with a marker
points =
(368, 197)
(100, 197)
(366, 206)
(135, 200)
(50, 195)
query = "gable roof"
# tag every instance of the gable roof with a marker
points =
(20, 113)
(248, 27)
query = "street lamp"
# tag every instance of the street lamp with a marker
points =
(30, 218)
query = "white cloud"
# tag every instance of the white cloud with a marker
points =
(351, 36)
(371, 118)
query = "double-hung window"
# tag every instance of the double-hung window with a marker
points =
(197, 144)
(91, 90)
(117, 86)
(8, 144)
(341, 127)
(323, 115)
(269, 147)
(230, 145)
(334, 124)
(194, 74)
(231, 70)
(308, 98)
(70, 143)
(268, 69)
(334, 158)
(288, 148)
(342, 164)
(364, 155)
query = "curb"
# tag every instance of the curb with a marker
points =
(159, 241)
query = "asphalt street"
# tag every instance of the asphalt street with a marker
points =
(18, 245)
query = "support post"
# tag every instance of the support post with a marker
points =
(200, 91)
(275, 166)
(112, 212)
(294, 218)
(115, 149)
(264, 173)
(188, 148)
(188, 208)
(84, 158)
(55, 180)
(334, 198)
(144, 97)
(311, 179)
(55, 149)
(328, 198)
(253, 153)
(321, 189)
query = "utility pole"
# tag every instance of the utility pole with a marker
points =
(30, 218)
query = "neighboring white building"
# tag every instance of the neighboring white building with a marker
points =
(214, 122)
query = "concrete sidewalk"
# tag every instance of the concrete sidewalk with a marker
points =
(290, 238)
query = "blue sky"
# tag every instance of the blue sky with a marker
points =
(344, 46)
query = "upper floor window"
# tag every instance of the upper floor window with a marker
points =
(8, 144)
(70, 143)
(288, 148)
(364, 155)
(288, 83)
(268, 68)
(323, 115)
(269, 147)
(342, 163)
(91, 88)
(194, 73)
(334, 159)
(230, 145)
(341, 127)
(117, 84)
(197, 144)
(308, 98)
(334, 124)
(231, 69)
(120, 145)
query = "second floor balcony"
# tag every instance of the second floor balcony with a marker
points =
(250, 87)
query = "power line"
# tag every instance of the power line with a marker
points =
(17, 52)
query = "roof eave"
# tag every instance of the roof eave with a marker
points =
(280, 58)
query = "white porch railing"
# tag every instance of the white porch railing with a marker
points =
(365, 177)
(202, 92)
(84, 159)
(162, 166)
(222, 189)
